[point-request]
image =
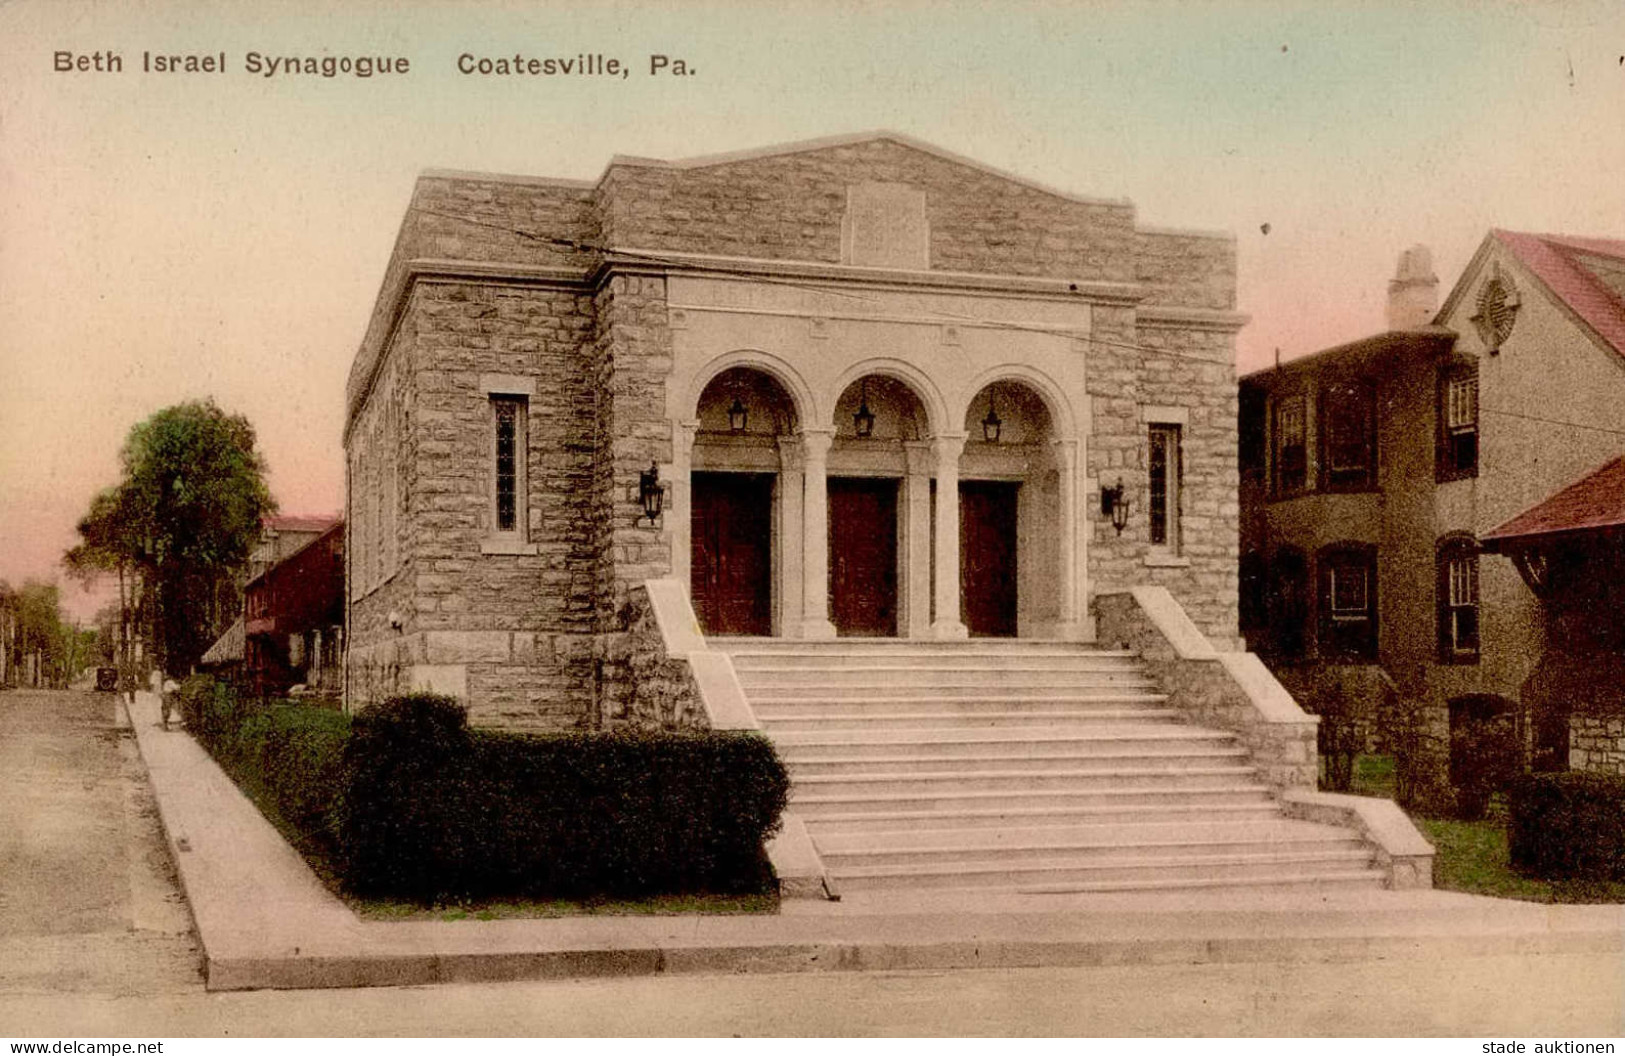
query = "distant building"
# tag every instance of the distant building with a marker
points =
(282, 534)
(1372, 471)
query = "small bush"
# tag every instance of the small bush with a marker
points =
(433, 811)
(1568, 826)
(212, 711)
(1485, 758)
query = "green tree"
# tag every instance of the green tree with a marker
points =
(39, 632)
(180, 524)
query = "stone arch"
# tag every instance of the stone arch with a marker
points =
(802, 399)
(1063, 423)
(916, 381)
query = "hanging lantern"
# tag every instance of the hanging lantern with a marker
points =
(737, 416)
(863, 423)
(992, 425)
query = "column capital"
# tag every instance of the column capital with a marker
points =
(917, 456)
(815, 443)
(948, 445)
(791, 454)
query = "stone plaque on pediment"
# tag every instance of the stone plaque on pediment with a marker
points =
(885, 227)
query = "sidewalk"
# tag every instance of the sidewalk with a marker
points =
(266, 921)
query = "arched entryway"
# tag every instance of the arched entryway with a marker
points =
(737, 493)
(878, 510)
(1013, 528)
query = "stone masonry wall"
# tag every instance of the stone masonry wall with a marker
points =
(377, 658)
(661, 693)
(1192, 370)
(632, 359)
(1597, 743)
(517, 626)
(479, 218)
(790, 206)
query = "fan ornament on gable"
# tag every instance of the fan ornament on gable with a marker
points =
(1497, 306)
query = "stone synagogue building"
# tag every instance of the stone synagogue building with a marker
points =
(881, 385)
(925, 470)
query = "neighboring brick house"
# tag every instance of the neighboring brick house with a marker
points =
(291, 631)
(881, 388)
(294, 619)
(1570, 550)
(1370, 472)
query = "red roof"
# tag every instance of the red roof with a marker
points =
(1556, 261)
(298, 522)
(1593, 502)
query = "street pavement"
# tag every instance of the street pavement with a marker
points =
(95, 940)
(88, 896)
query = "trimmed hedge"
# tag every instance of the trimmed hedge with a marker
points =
(1568, 826)
(435, 811)
(405, 801)
(292, 753)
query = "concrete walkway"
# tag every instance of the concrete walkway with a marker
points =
(266, 921)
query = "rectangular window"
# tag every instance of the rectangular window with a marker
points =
(1348, 593)
(1164, 498)
(1458, 427)
(1291, 446)
(508, 415)
(1458, 606)
(1348, 437)
(1348, 604)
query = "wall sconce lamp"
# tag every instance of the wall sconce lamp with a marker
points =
(863, 423)
(992, 425)
(738, 414)
(651, 494)
(1114, 505)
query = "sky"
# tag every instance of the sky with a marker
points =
(165, 236)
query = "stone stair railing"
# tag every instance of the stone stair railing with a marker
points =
(1236, 692)
(678, 680)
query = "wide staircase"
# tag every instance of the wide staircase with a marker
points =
(1040, 766)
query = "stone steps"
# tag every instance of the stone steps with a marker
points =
(928, 761)
(919, 689)
(1130, 874)
(1020, 765)
(777, 719)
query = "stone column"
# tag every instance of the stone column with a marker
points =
(1068, 626)
(917, 540)
(788, 539)
(678, 521)
(815, 535)
(948, 623)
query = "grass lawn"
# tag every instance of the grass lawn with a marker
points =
(1471, 856)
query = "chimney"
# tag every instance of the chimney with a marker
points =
(1413, 292)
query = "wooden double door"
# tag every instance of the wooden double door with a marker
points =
(863, 556)
(731, 536)
(987, 557)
